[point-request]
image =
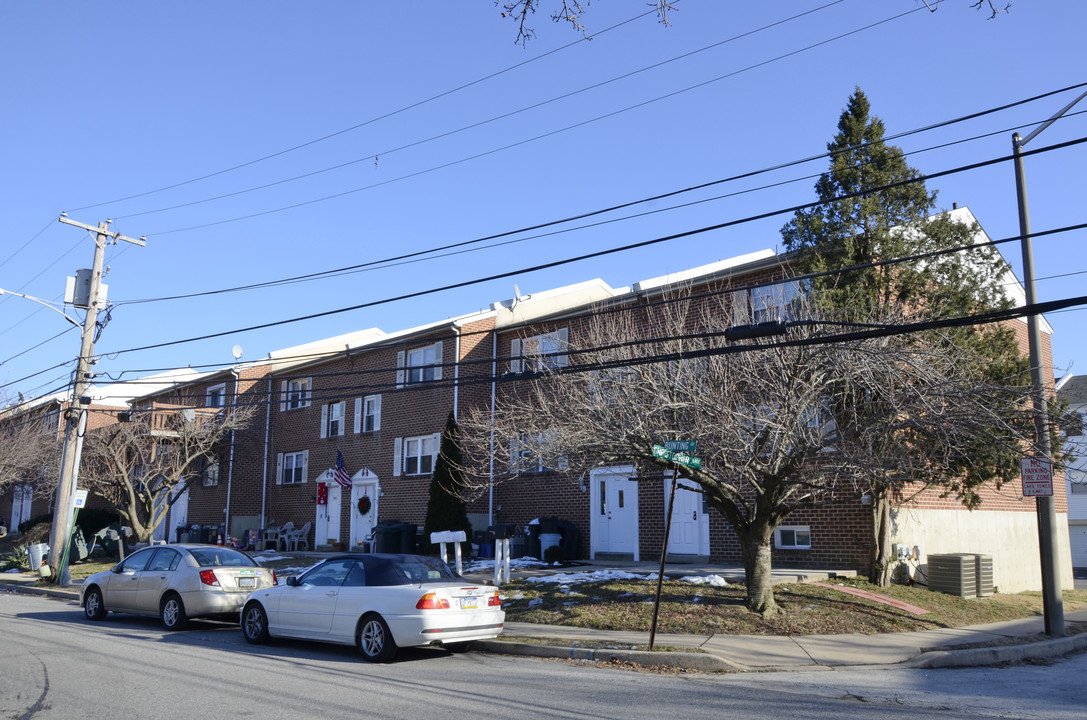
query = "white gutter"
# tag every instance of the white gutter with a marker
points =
(264, 471)
(230, 467)
(456, 372)
(490, 468)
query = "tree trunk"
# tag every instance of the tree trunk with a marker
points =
(880, 565)
(758, 570)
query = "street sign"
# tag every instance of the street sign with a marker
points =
(80, 497)
(679, 458)
(1037, 476)
(687, 446)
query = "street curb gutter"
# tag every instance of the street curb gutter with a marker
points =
(978, 657)
(59, 593)
(684, 660)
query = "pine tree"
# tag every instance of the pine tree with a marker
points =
(446, 509)
(875, 208)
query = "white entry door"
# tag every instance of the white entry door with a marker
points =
(179, 514)
(615, 513)
(690, 524)
(20, 506)
(326, 526)
(364, 483)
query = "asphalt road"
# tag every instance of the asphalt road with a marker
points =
(55, 664)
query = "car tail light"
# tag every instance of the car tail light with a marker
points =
(208, 578)
(493, 600)
(275, 580)
(431, 601)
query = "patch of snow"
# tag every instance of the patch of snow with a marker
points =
(596, 576)
(714, 580)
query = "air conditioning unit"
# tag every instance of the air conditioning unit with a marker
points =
(954, 574)
(983, 570)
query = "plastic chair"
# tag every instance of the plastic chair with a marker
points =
(297, 537)
(284, 538)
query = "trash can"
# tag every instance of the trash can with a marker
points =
(549, 540)
(571, 537)
(37, 553)
(387, 538)
(407, 538)
(532, 541)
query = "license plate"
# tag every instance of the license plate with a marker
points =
(247, 582)
(468, 603)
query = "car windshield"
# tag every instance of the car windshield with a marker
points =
(220, 556)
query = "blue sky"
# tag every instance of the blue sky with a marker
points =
(457, 133)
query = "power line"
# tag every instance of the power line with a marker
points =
(603, 253)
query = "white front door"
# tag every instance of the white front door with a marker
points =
(364, 484)
(690, 525)
(615, 512)
(326, 526)
(179, 513)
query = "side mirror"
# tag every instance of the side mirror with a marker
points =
(292, 581)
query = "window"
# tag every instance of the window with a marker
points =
(371, 413)
(793, 538)
(769, 303)
(419, 454)
(292, 467)
(543, 352)
(211, 472)
(419, 365)
(164, 560)
(216, 396)
(1078, 488)
(527, 456)
(332, 420)
(295, 394)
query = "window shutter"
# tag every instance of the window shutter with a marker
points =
(343, 416)
(438, 359)
(305, 465)
(358, 415)
(515, 455)
(515, 354)
(324, 421)
(437, 448)
(400, 369)
(283, 397)
(564, 343)
(307, 385)
(279, 469)
(377, 413)
(396, 456)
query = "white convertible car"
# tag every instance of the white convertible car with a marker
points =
(378, 602)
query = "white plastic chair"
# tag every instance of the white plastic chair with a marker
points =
(299, 537)
(284, 538)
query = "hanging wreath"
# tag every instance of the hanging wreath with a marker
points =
(364, 504)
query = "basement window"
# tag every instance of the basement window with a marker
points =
(793, 538)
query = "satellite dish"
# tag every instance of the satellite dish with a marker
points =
(237, 351)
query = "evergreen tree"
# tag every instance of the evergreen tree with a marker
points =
(446, 509)
(875, 207)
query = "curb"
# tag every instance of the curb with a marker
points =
(699, 662)
(979, 657)
(59, 593)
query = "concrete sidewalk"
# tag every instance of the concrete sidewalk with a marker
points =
(990, 644)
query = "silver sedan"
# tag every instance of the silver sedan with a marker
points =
(176, 582)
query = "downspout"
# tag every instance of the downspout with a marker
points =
(230, 466)
(490, 469)
(456, 371)
(264, 472)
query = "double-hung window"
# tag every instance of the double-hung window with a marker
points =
(371, 413)
(793, 537)
(332, 419)
(295, 394)
(768, 303)
(420, 365)
(211, 472)
(415, 455)
(216, 396)
(539, 353)
(528, 454)
(292, 467)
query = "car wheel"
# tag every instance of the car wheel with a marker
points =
(375, 640)
(459, 647)
(172, 613)
(255, 624)
(93, 607)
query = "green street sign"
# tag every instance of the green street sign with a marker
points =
(687, 446)
(679, 458)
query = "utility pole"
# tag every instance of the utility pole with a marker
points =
(76, 417)
(1052, 602)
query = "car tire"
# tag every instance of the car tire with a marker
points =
(375, 641)
(93, 605)
(459, 647)
(255, 624)
(172, 612)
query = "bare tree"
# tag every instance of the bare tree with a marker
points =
(782, 423)
(29, 449)
(142, 466)
(571, 11)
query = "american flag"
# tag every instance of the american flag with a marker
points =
(340, 474)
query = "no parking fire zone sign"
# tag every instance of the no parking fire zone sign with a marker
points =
(1037, 477)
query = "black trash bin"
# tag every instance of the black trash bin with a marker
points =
(387, 538)
(570, 539)
(532, 541)
(407, 538)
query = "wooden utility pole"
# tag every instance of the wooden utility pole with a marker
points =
(76, 416)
